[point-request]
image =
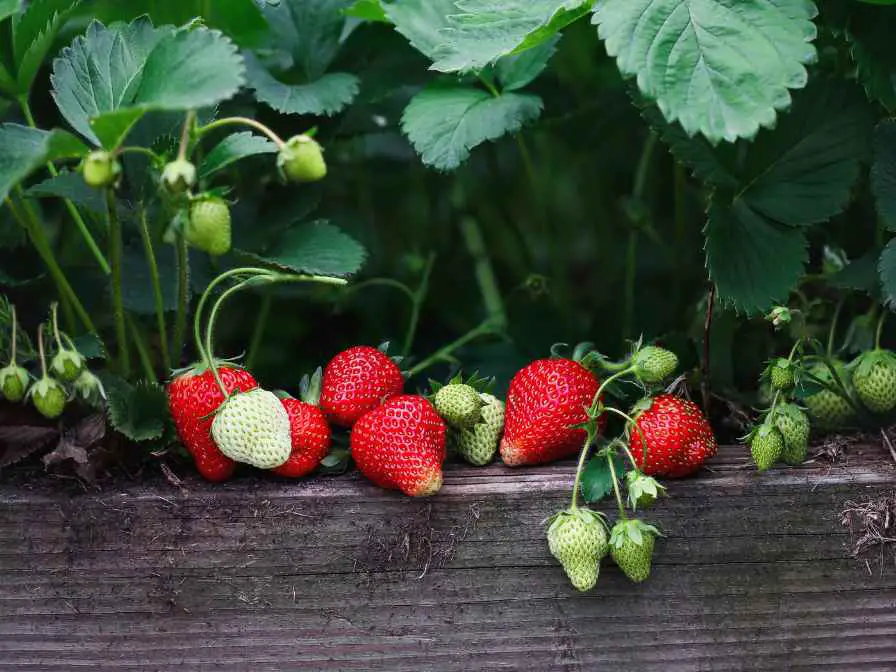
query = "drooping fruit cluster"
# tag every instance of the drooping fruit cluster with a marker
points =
(65, 378)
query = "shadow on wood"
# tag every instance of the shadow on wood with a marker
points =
(331, 573)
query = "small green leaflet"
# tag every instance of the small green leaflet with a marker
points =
(597, 480)
(444, 124)
(33, 35)
(479, 32)
(140, 412)
(26, 149)
(515, 71)
(70, 185)
(883, 172)
(315, 247)
(753, 262)
(367, 10)
(722, 68)
(887, 270)
(9, 7)
(233, 148)
(109, 78)
(327, 95)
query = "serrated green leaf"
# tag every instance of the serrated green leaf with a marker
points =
(8, 83)
(233, 148)
(872, 51)
(720, 67)
(859, 274)
(316, 247)
(136, 284)
(753, 262)
(325, 96)
(883, 172)
(107, 79)
(367, 10)
(70, 185)
(479, 32)
(9, 8)
(887, 269)
(422, 22)
(90, 346)
(309, 30)
(444, 124)
(26, 149)
(804, 170)
(515, 71)
(33, 36)
(597, 480)
(139, 412)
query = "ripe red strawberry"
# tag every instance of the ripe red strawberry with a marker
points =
(679, 438)
(310, 438)
(357, 380)
(545, 398)
(401, 445)
(193, 397)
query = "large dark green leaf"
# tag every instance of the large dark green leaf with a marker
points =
(804, 170)
(422, 22)
(137, 291)
(70, 185)
(33, 34)
(444, 124)
(109, 78)
(754, 262)
(887, 269)
(515, 71)
(316, 247)
(233, 148)
(720, 67)
(883, 172)
(23, 150)
(326, 95)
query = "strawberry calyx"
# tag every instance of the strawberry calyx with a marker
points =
(201, 366)
(310, 387)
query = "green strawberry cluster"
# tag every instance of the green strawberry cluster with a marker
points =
(473, 416)
(66, 376)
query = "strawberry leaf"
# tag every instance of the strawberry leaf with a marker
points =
(723, 68)
(887, 270)
(139, 412)
(883, 172)
(597, 480)
(26, 149)
(315, 247)
(233, 148)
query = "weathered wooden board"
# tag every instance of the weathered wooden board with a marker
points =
(334, 574)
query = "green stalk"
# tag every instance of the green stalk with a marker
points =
(183, 299)
(631, 421)
(829, 351)
(580, 468)
(115, 248)
(142, 351)
(632, 247)
(485, 273)
(38, 236)
(156, 289)
(241, 121)
(261, 321)
(616, 486)
(486, 327)
(880, 328)
(72, 209)
(416, 304)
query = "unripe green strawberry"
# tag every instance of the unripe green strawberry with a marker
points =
(459, 405)
(766, 446)
(780, 374)
(492, 412)
(48, 397)
(67, 365)
(874, 379)
(479, 444)
(208, 226)
(653, 364)
(14, 381)
(643, 490)
(794, 426)
(631, 546)
(829, 410)
(253, 427)
(301, 159)
(100, 169)
(178, 176)
(578, 539)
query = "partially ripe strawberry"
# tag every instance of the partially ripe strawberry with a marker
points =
(356, 381)
(253, 427)
(208, 225)
(400, 445)
(193, 397)
(679, 438)
(310, 438)
(544, 401)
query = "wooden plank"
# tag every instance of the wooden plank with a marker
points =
(334, 574)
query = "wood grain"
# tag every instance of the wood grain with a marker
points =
(259, 575)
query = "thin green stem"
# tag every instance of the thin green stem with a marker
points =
(416, 304)
(183, 147)
(89, 240)
(486, 327)
(242, 121)
(156, 289)
(261, 321)
(40, 350)
(14, 336)
(595, 402)
(795, 349)
(616, 485)
(38, 236)
(54, 321)
(115, 250)
(589, 440)
(485, 274)
(382, 282)
(880, 328)
(631, 421)
(631, 259)
(142, 351)
(829, 350)
(146, 151)
(183, 299)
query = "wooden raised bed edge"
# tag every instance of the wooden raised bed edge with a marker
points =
(755, 573)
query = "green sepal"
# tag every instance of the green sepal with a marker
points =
(634, 530)
(310, 387)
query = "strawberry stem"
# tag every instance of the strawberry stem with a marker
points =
(40, 350)
(880, 328)
(616, 485)
(832, 332)
(13, 337)
(576, 484)
(115, 249)
(242, 121)
(54, 320)
(631, 421)
(484, 328)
